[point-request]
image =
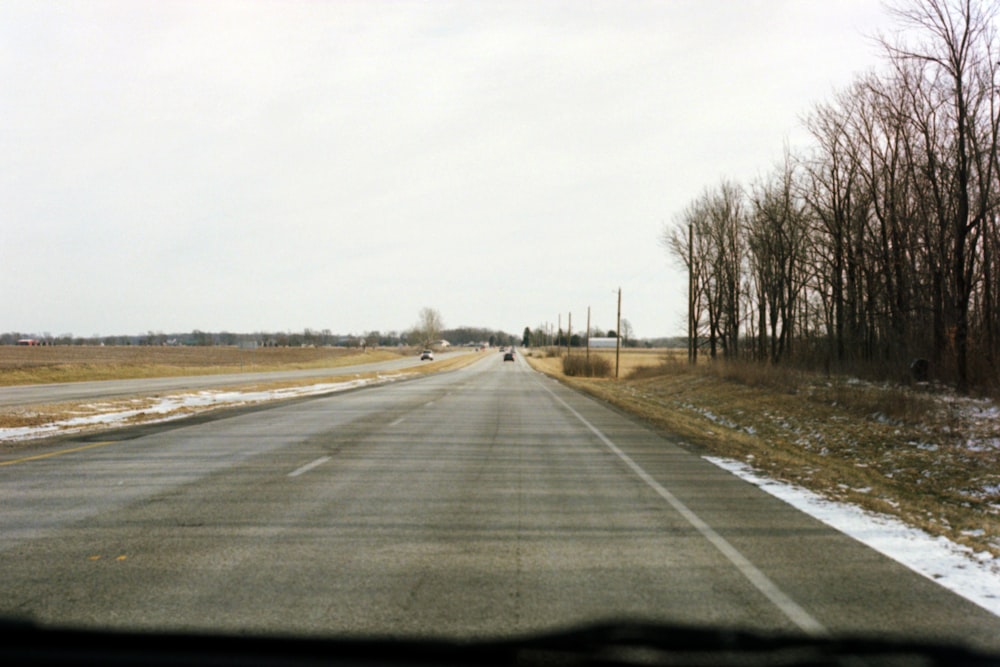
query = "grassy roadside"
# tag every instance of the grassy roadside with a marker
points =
(920, 454)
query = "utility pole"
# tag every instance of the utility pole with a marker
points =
(569, 335)
(618, 334)
(692, 344)
(588, 336)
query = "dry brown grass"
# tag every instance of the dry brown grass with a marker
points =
(590, 366)
(450, 364)
(43, 365)
(630, 361)
(928, 458)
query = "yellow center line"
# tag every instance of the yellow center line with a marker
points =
(58, 453)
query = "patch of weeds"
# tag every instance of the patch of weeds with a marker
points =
(578, 365)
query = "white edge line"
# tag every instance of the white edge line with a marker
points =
(309, 466)
(944, 562)
(795, 613)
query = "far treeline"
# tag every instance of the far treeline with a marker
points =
(307, 337)
(879, 244)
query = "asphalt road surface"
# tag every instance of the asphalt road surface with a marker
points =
(487, 501)
(38, 394)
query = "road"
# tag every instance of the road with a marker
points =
(485, 501)
(38, 394)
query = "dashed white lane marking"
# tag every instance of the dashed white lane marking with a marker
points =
(309, 466)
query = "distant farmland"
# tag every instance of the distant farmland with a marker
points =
(72, 363)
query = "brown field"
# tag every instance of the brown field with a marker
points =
(630, 360)
(65, 363)
(918, 453)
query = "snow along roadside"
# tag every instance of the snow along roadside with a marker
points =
(111, 414)
(974, 576)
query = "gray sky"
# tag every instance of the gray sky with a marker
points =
(249, 166)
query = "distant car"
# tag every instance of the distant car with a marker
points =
(508, 356)
(426, 355)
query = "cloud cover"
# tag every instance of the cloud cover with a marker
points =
(251, 166)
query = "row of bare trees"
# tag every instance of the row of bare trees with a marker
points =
(881, 242)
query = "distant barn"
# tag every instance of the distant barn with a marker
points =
(28, 341)
(604, 342)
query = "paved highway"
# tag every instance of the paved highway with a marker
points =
(485, 501)
(39, 394)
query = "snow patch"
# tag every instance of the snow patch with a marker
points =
(974, 576)
(175, 406)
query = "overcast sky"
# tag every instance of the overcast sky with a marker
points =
(249, 166)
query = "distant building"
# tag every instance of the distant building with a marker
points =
(604, 342)
(28, 341)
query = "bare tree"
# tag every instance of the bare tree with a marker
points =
(777, 236)
(690, 251)
(883, 243)
(956, 54)
(707, 240)
(837, 203)
(429, 326)
(726, 221)
(627, 332)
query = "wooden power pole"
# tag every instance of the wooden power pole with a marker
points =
(618, 334)
(692, 344)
